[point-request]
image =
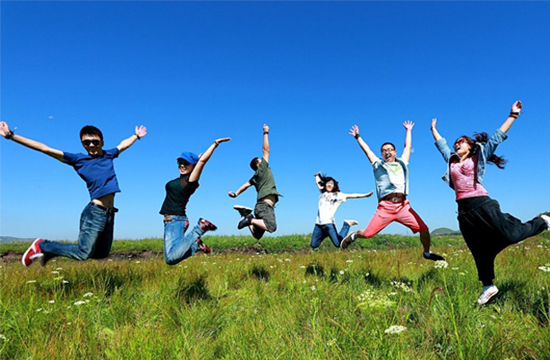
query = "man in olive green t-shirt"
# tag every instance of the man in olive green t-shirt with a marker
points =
(264, 212)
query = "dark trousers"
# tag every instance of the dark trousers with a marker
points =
(487, 231)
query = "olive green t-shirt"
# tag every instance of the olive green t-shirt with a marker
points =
(263, 181)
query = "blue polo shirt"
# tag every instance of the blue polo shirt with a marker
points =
(98, 172)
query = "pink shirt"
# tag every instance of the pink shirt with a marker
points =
(464, 180)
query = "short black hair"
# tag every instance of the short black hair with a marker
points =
(254, 163)
(387, 143)
(91, 130)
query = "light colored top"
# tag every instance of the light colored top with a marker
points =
(328, 204)
(463, 176)
(390, 177)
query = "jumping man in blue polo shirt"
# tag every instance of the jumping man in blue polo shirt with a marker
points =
(97, 218)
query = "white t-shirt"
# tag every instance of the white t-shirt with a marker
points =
(396, 175)
(328, 204)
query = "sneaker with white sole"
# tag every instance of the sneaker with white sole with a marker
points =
(547, 219)
(33, 252)
(347, 240)
(206, 225)
(243, 210)
(487, 293)
(433, 256)
(203, 247)
(245, 221)
(351, 222)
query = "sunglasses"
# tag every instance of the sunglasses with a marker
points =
(183, 163)
(460, 141)
(90, 142)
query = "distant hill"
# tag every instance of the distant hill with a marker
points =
(9, 239)
(445, 231)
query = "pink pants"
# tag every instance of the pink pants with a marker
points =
(388, 212)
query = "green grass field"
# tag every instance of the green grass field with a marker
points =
(380, 300)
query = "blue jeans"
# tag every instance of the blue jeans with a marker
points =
(320, 232)
(177, 245)
(94, 239)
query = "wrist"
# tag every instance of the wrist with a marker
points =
(9, 135)
(357, 136)
(514, 114)
(137, 136)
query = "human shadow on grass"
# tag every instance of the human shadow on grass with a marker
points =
(194, 289)
(517, 294)
(259, 272)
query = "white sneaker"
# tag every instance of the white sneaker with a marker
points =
(347, 240)
(547, 219)
(487, 293)
(244, 211)
(351, 222)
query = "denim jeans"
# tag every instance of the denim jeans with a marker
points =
(94, 239)
(177, 245)
(320, 232)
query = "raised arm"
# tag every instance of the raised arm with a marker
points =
(354, 131)
(408, 141)
(242, 189)
(203, 159)
(435, 133)
(32, 144)
(318, 181)
(514, 113)
(358, 196)
(265, 144)
(140, 132)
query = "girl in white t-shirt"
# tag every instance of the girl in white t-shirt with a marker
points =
(329, 200)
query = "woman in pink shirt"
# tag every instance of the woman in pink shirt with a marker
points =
(485, 228)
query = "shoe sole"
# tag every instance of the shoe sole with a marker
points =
(346, 241)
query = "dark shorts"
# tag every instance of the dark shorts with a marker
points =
(266, 212)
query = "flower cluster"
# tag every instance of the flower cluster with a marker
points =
(370, 299)
(402, 286)
(395, 329)
(441, 264)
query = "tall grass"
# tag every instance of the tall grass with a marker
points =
(312, 305)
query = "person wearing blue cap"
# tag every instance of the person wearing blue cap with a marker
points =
(179, 246)
(98, 217)
(264, 212)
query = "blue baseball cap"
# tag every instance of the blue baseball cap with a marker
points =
(189, 157)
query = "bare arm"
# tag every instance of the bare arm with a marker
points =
(408, 141)
(435, 133)
(203, 159)
(242, 189)
(32, 144)
(358, 196)
(140, 132)
(265, 144)
(354, 131)
(514, 113)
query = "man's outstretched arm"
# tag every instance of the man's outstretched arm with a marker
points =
(32, 144)
(265, 144)
(354, 131)
(408, 141)
(140, 132)
(242, 189)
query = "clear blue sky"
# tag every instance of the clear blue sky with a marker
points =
(196, 71)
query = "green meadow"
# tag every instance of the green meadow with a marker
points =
(276, 299)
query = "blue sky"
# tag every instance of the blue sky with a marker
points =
(196, 71)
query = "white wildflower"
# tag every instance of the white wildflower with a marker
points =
(88, 294)
(59, 269)
(287, 260)
(65, 282)
(55, 272)
(395, 329)
(81, 302)
(51, 301)
(138, 262)
(313, 288)
(302, 267)
(441, 264)
(331, 342)
(39, 310)
(342, 272)
(544, 268)
(2, 337)
(31, 281)
(349, 261)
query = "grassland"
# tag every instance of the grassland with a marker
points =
(278, 300)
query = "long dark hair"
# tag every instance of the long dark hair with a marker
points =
(325, 179)
(482, 138)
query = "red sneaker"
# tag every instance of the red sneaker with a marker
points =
(207, 225)
(203, 247)
(32, 253)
